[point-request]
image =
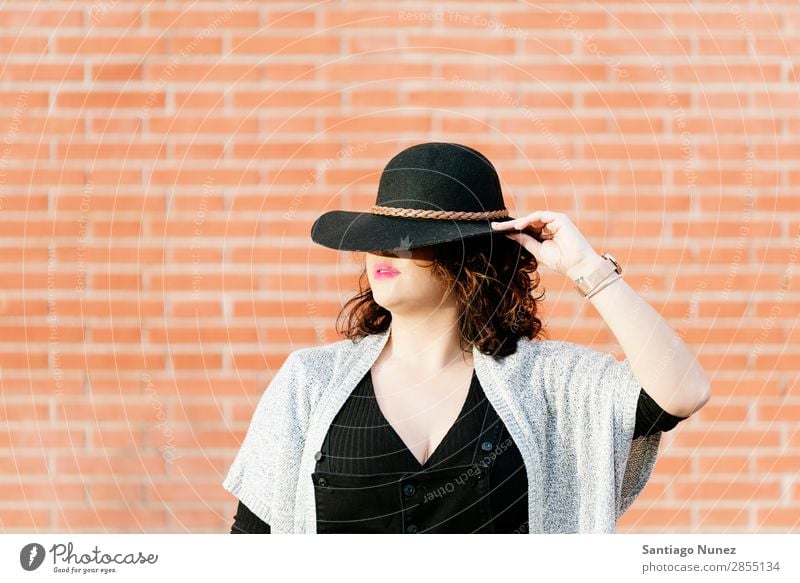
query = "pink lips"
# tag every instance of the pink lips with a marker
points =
(384, 270)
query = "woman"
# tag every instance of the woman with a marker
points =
(452, 413)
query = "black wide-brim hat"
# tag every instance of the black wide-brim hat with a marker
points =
(429, 193)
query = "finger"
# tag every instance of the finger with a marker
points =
(502, 225)
(518, 224)
(536, 218)
(538, 233)
(505, 225)
(544, 217)
(526, 241)
(535, 227)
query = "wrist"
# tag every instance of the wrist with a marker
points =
(585, 266)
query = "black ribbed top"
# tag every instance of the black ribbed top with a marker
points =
(363, 442)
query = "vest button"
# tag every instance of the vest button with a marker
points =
(318, 456)
(411, 529)
(322, 482)
(409, 489)
(486, 446)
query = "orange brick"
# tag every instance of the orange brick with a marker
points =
(785, 412)
(290, 19)
(23, 465)
(193, 465)
(113, 16)
(734, 489)
(724, 19)
(546, 72)
(785, 518)
(126, 519)
(33, 492)
(482, 45)
(668, 464)
(384, 19)
(116, 491)
(744, 438)
(200, 519)
(187, 493)
(738, 465)
(33, 412)
(25, 519)
(639, 517)
(105, 465)
(41, 16)
(285, 45)
(555, 19)
(107, 46)
(117, 72)
(196, 18)
(777, 464)
(723, 517)
(41, 438)
(41, 72)
(721, 412)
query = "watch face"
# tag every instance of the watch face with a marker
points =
(614, 261)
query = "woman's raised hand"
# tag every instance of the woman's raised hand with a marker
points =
(562, 248)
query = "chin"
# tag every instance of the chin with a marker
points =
(384, 300)
(393, 299)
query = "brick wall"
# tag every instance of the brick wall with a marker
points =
(161, 164)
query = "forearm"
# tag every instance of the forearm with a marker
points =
(660, 360)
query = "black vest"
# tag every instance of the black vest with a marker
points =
(367, 481)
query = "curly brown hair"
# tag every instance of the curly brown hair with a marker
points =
(493, 278)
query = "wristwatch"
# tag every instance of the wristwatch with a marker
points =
(587, 283)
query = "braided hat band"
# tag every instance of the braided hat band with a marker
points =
(437, 214)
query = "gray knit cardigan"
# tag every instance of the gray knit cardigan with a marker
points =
(570, 410)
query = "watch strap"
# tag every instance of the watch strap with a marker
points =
(586, 283)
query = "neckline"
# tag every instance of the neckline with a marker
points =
(406, 450)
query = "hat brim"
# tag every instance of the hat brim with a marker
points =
(365, 231)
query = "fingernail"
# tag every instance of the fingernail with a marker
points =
(493, 224)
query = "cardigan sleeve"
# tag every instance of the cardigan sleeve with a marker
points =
(262, 463)
(634, 456)
(589, 418)
(612, 396)
(609, 396)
